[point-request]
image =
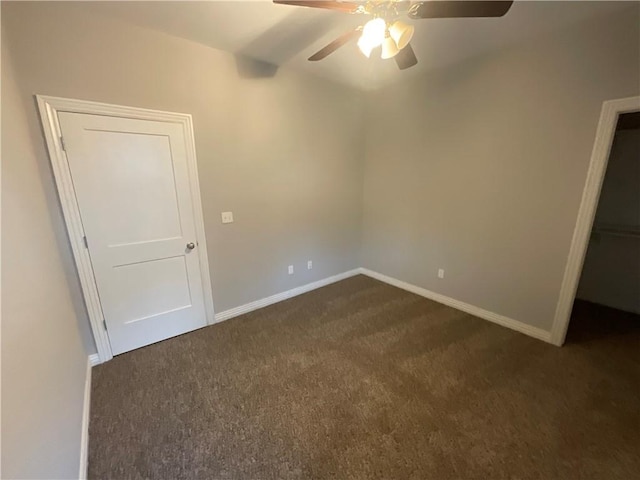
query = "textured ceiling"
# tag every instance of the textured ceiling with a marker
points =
(285, 35)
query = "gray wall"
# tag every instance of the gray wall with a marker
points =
(479, 169)
(611, 272)
(282, 153)
(44, 361)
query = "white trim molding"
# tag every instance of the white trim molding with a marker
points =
(279, 297)
(86, 406)
(609, 114)
(49, 108)
(529, 330)
(94, 359)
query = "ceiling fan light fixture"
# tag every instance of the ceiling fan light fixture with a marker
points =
(401, 33)
(375, 32)
(389, 48)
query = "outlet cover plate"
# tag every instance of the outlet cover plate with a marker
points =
(227, 217)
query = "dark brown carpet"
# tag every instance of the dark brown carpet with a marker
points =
(363, 380)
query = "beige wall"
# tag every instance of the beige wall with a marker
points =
(282, 153)
(479, 169)
(44, 361)
(611, 271)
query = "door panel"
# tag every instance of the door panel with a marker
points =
(133, 193)
(140, 298)
(127, 162)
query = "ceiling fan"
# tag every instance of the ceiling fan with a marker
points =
(386, 31)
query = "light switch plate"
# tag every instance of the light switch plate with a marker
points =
(227, 217)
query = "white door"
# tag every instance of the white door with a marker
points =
(132, 187)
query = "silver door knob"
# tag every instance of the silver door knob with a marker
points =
(191, 246)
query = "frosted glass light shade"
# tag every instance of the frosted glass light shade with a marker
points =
(373, 32)
(365, 47)
(389, 48)
(372, 36)
(401, 33)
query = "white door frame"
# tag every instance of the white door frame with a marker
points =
(611, 110)
(49, 108)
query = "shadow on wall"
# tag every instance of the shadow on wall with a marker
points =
(262, 57)
(251, 68)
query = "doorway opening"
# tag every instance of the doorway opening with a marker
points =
(601, 287)
(608, 295)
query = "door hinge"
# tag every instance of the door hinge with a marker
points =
(64, 148)
(86, 243)
(104, 323)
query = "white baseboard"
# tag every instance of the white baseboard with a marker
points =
(84, 436)
(251, 306)
(534, 332)
(94, 360)
(451, 302)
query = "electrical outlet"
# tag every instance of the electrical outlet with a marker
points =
(290, 269)
(440, 273)
(309, 265)
(227, 217)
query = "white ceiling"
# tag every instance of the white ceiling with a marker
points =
(285, 35)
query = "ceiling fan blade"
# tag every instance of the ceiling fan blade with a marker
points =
(348, 7)
(459, 8)
(406, 58)
(333, 46)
